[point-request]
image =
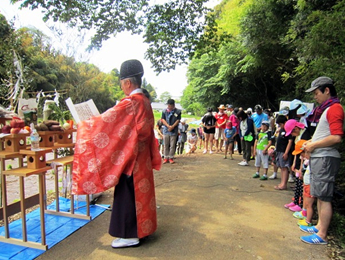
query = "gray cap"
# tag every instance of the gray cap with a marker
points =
(320, 81)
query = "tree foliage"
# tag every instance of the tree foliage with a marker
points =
(164, 96)
(272, 51)
(171, 28)
(46, 69)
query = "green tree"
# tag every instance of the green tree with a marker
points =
(318, 35)
(164, 96)
(150, 89)
(171, 29)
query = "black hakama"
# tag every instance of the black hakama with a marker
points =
(123, 222)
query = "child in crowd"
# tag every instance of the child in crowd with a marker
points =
(159, 136)
(283, 147)
(192, 141)
(182, 138)
(229, 133)
(201, 136)
(274, 153)
(306, 214)
(308, 200)
(297, 202)
(297, 130)
(262, 143)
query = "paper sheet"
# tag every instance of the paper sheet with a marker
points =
(82, 111)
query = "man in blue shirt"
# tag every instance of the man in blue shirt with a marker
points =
(258, 117)
(171, 117)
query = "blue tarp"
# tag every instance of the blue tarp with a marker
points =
(197, 122)
(57, 229)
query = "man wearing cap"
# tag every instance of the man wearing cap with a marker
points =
(324, 158)
(229, 110)
(171, 117)
(221, 118)
(258, 117)
(118, 148)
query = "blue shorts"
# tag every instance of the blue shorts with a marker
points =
(280, 162)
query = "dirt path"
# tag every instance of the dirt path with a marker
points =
(209, 208)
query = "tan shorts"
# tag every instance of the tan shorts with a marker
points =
(219, 133)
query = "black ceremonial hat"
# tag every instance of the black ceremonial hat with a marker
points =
(131, 68)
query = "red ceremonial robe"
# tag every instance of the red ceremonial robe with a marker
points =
(120, 141)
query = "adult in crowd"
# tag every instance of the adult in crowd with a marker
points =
(324, 156)
(221, 118)
(271, 120)
(208, 121)
(237, 138)
(229, 110)
(171, 117)
(118, 148)
(258, 117)
(247, 134)
(249, 111)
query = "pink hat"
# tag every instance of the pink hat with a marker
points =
(291, 124)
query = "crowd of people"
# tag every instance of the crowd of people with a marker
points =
(301, 142)
(118, 149)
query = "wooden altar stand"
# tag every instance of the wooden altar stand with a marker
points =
(36, 165)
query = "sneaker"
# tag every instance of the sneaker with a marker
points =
(273, 176)
(256, 176)
(303, 222)
(263, 178)
(299, 215)
(205, 151)
(124, 242)
(313, 239)
(295, 208)
(307, 229)
(291, 204)
(165, 161)
(211, 152)
(291, 180)
(243, 163)
(171, 161)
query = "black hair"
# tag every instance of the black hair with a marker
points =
(147, 94)
(281, 119)
(242, 114)
(331, 88)
(210, 110)
(236, 109)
